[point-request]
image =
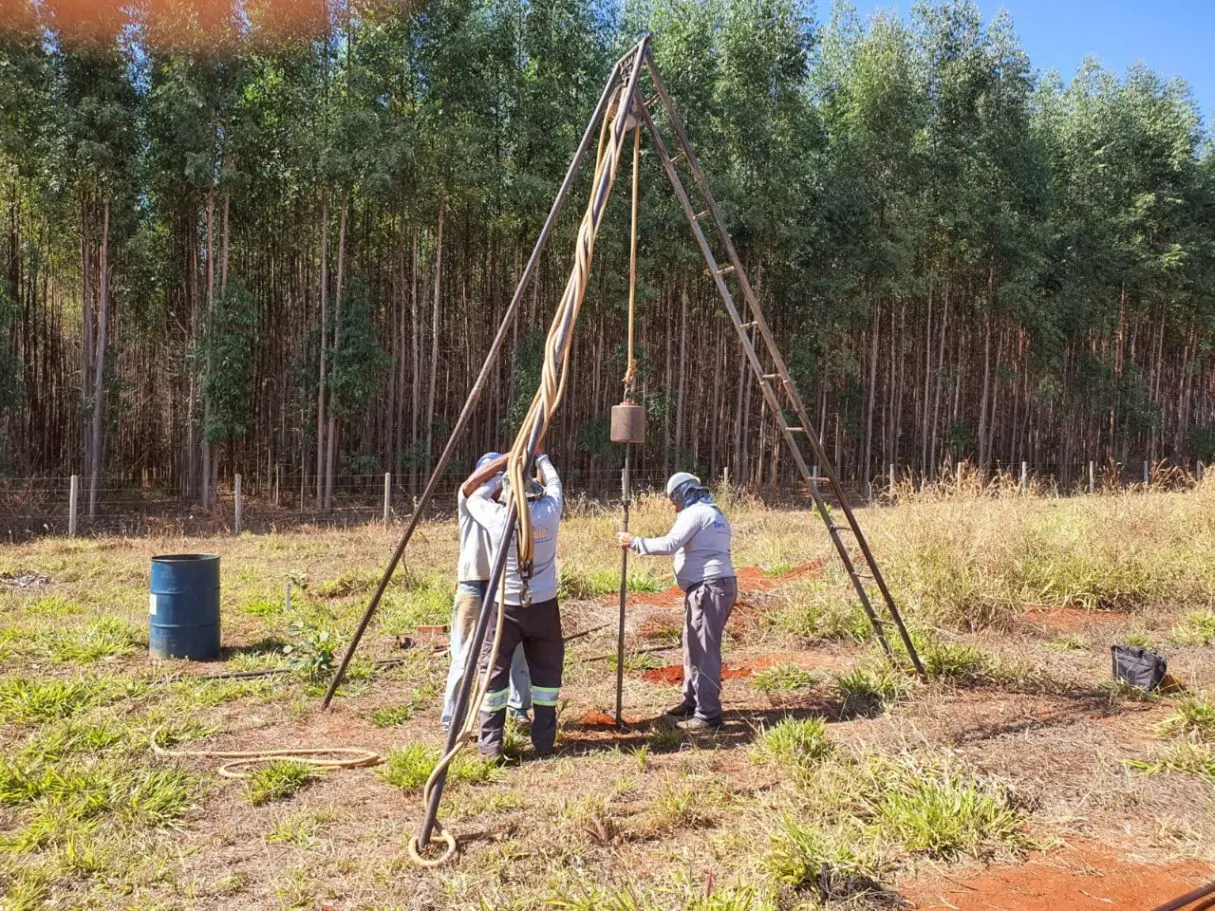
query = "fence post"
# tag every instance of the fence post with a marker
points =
(1092, 476)
(725, 476)
(1146, 472)
(73, 500)
(892, 478)
(278, 482)
(1024, 477)
(387, 496)
(1201, 469)
(814, 478)
(957, 475)
(236, 523)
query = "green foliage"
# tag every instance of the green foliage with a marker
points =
(357, 359)
(231, 346)
(313, 654)
(873, 685)
(278, 781)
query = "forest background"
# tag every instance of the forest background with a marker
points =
(275, 237)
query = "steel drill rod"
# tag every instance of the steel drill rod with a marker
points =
(475, 394)
(624, 589)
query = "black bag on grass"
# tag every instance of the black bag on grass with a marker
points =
(1138, 667)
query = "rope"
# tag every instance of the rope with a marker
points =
(531, 434)
(630, 372)
(354, 757)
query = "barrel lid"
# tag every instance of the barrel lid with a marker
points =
(184, 558)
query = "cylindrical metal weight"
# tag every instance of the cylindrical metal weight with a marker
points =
(183, 607)
(628, 423)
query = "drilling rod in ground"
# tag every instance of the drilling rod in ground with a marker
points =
(475, 394)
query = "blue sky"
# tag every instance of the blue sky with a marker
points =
(1173, 37)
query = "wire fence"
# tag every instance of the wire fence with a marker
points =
(39, 506)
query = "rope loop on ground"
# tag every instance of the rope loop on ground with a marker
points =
(238, 761)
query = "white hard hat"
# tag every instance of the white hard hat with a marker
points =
(678, 480)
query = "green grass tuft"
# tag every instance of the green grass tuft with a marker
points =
(278, 781)
(1194, 715)
(1191, 756)
(108, 637)
(939, 812)
(409, 767)
(795, 741)
(28, 700)
(785, 677)
(1198, 628)
(873, 685)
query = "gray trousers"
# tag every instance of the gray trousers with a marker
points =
(706, 608)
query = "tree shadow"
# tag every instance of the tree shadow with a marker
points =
(267, 645)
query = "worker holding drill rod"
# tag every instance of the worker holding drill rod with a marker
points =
(476, 552)
(532, 618)
(700, 542)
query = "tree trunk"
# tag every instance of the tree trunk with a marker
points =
(103, 319)
(331, 434)
(416, 388)
(320, 391)
(434, 340)
(683, 372)
(873, 359)
(208, 494)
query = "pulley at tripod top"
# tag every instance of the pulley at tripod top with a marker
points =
(628, 423)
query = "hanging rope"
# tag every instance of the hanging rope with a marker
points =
(630, 370)
(556, 347)
(531, 434)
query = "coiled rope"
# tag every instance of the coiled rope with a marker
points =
(239, 760)
(534, 427)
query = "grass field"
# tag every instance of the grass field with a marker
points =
(1018, 774)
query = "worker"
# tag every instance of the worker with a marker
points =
(472, 578)
(700, 541)
(532, 618)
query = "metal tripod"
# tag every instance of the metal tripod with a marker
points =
(757, 341)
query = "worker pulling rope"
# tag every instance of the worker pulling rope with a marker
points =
(530, 436)
(318, 757)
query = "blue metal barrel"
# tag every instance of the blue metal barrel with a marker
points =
(183, 607)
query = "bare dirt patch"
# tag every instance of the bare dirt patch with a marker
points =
(1081, 877)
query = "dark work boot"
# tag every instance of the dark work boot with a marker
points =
(683, 710)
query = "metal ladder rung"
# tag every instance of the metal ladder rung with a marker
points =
(771, 376)
(793, 429)
(750, 325)
(840, 528)
(857, 575)
(725, 271)
(699, 215)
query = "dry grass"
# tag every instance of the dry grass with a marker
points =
(862, 768)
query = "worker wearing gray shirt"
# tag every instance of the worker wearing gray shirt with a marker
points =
(700, 542)
(472, 579)
(531, 617)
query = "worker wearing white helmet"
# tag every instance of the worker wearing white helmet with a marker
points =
(700, 542)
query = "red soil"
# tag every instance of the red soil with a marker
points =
(1079, 878)
(1072, 619)
(594, 719)
(672, 675)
